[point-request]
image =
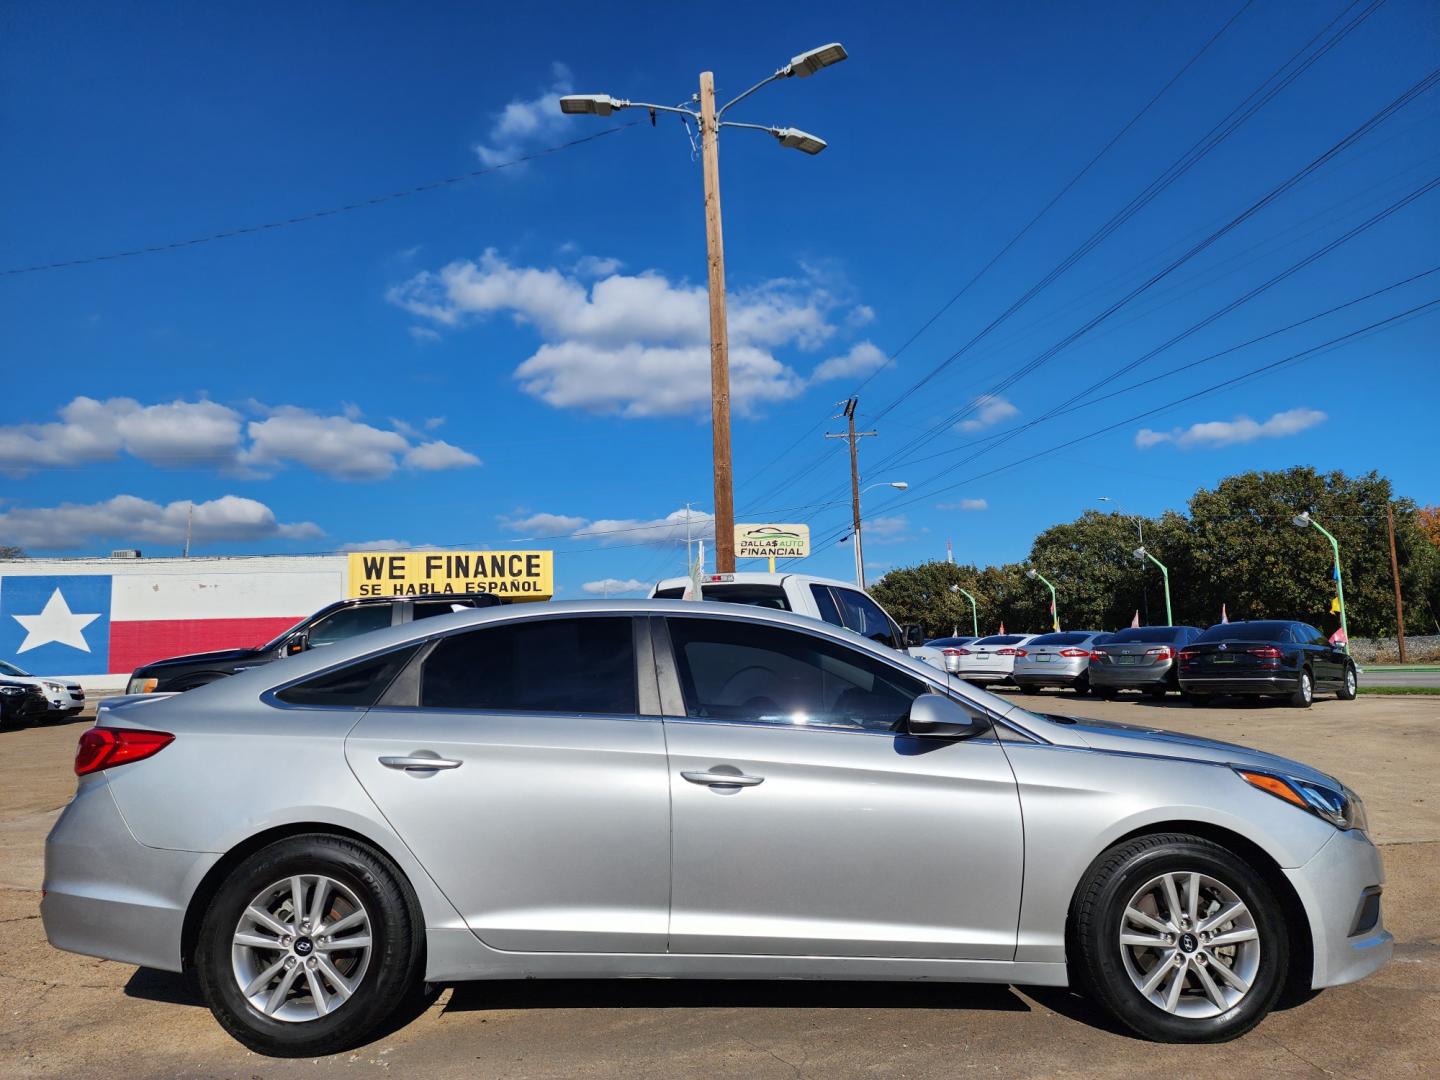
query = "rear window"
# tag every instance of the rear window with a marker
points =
(1001, 639)
(354, 686)
(1163, 634)
(766, 596)
(1060, 639)
(947, 642)
(1254, 631)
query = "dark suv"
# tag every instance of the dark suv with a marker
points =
(341, 620)
(1281, 657)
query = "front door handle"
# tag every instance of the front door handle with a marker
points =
(419, 762)
(722, 779)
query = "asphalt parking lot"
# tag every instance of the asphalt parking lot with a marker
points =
(70, 1016)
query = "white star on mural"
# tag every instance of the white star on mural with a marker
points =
(56, 623)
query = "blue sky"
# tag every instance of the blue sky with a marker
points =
(522, 354)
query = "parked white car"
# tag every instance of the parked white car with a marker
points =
(836, 602)
(63, 698)
(986, 660)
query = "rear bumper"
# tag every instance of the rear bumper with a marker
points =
(1129, 677)
(1277, 682)
(108, 895)
(1048, 675)
(988, 675)
(1334, 887)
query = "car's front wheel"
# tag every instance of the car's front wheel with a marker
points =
(308, 946)
(1180, 939)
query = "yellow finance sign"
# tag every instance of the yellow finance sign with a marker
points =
(517, 575)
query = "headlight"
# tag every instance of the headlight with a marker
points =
(1340, 807)
(142, 686)
(54, 688)
(12, 690)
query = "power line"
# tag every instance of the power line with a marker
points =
(317, 214)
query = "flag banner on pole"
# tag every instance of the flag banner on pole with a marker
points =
(1339, 638)
(1136, 620)
(1336, 572)
(1002, 627)
(1223, 617)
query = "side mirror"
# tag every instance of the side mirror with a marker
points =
(914, 635)
(297, 643)
(937, 716)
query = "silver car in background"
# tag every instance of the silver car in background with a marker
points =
(986, 660)
(700, 791)
(1061, 659)
(1144, 658)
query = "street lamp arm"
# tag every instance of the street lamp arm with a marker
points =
(692, 113)
(753, 127)
(780, 74)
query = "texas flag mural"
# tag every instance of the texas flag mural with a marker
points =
(97, 624)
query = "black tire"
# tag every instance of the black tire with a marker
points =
(1024, 689)
(395, 964)
(1196, 699)
(1105, 693)
(1350, 685)
(1082, 686)
(1304, 694)
(1099, 968)
(1157, 692)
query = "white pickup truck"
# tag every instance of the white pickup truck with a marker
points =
(836, 602)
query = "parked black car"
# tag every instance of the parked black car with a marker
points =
(1139, 658)
(20, 701)
(341, 620)
(1281, 657)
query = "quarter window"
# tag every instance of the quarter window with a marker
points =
(771, 675)
(355, 686)
(542, 665)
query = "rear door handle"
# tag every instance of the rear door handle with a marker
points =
(722, 779)
(419, 762)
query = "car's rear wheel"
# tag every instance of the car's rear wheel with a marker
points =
(1108, 693)
(1082, 685)
(1350, 686)
(308, 946)
(1194, 698)
(1304, 693)
(1180, 939)
(1026, 689)
(1157, 691)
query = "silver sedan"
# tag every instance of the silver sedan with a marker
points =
(701, 791)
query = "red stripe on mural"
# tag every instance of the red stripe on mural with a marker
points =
(136, 643)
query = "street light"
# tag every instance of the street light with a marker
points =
(1141, 553)
(1033, 574)
(708, 119)
(974, 610)
(1304, 519)
(1139, 525)
(855, 531)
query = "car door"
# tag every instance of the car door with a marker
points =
(1327, 660)
(546, 817)
(805, 824)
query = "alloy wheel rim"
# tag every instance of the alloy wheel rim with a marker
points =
(1306, 690)
(1189, 944)
(1350, 680)
(301, 948)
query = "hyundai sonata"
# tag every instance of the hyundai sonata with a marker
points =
(698, 791)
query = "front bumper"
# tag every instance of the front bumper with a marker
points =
(1336, 888)
(108, 895)
(1275, 682)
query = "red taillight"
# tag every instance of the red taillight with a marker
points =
(1188, 654)
(1265, 652)
(1074, 652)
(1009, 652)
(1164, 652)
(956, 652)
(104, 748)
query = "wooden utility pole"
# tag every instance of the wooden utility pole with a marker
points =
(1395, 572)
(853, 437)
(719, 332)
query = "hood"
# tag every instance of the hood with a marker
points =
(1132, 739)
(219, 656)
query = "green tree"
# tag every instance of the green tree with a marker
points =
(10, 551)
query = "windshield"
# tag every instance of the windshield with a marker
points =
(11, 669)
(1147, 633)
(1254, 631)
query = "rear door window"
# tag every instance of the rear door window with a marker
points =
(861, 614)
(576, 665)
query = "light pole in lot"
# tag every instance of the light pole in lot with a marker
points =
(1032, 574)
(974, 610)
(1304, 519)
(1140, 531)
(1141, 553)
(855, 531)
(708, 119)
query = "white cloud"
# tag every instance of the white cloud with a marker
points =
(130, 519)
(206, 434)
(965, 504)
(525, 121)
(862, 359)
(638, 344)
(988, 409)
(424, 334)
(379, 545)
(594, 266)
(615, 586)
(1242, 429)
(887, 530)
(672, 529)
(544, 524)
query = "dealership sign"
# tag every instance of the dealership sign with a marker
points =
(772, 541)
(522, 575)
